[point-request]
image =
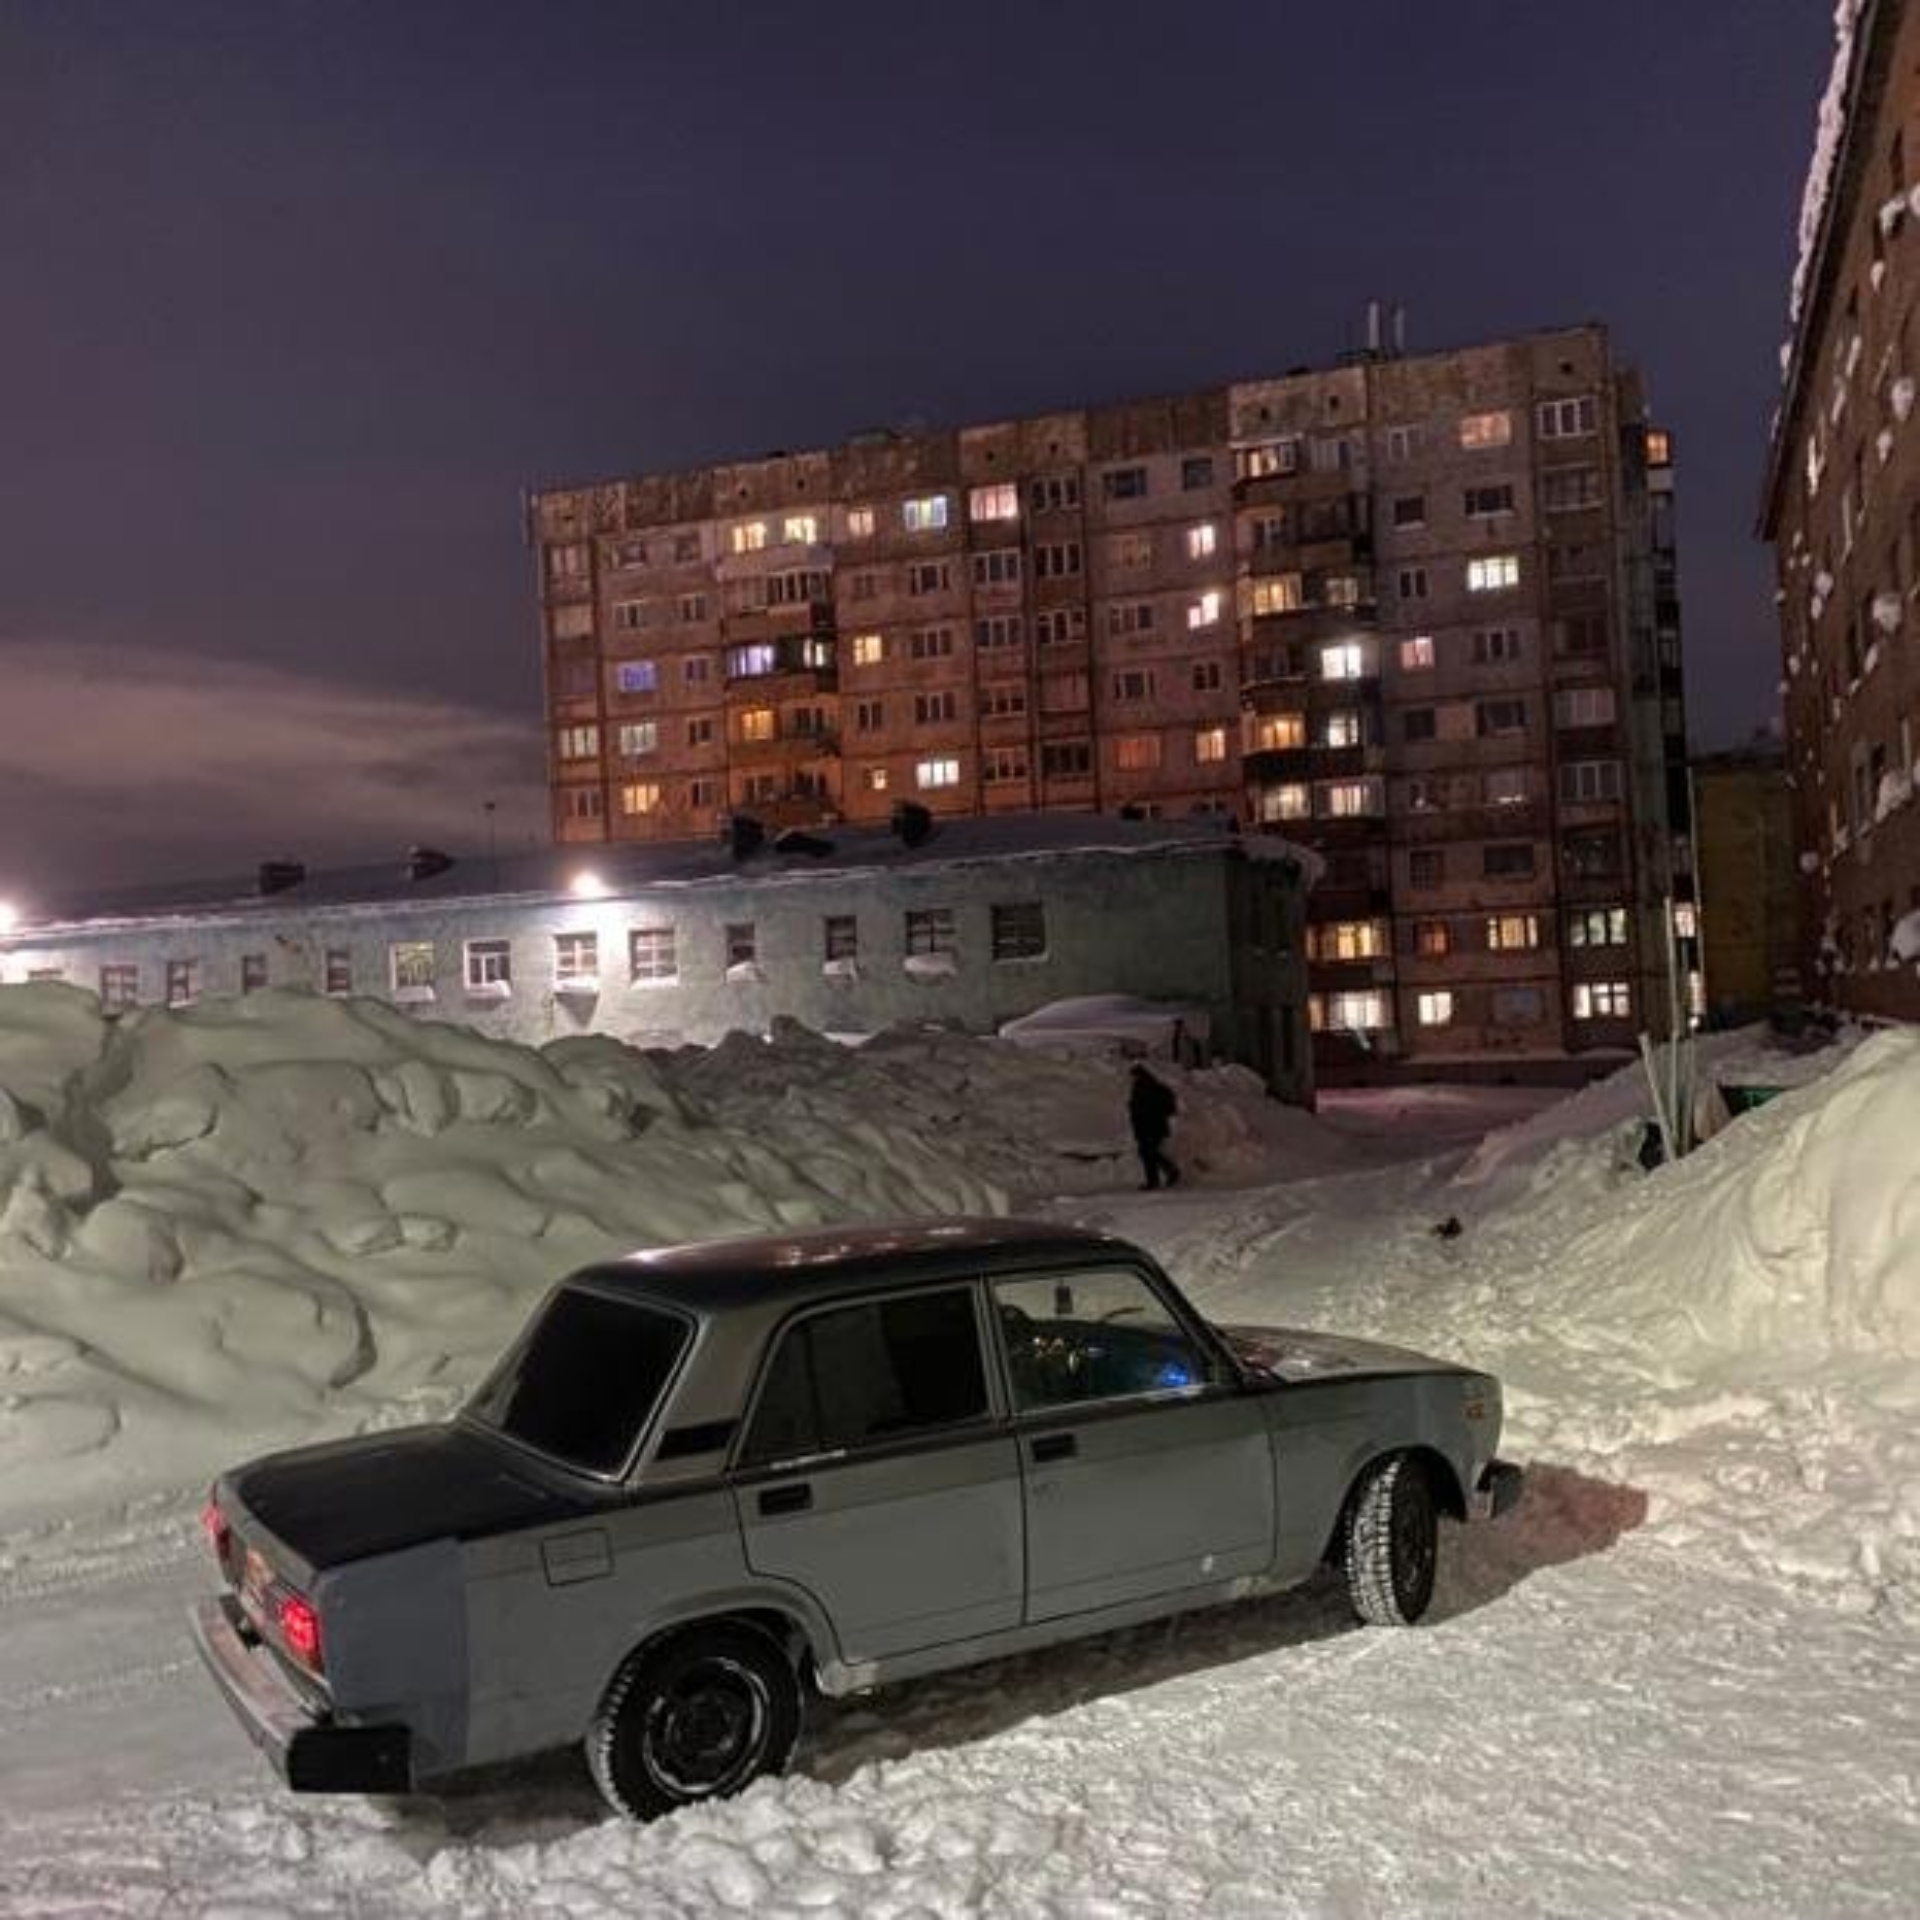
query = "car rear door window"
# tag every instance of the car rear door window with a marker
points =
(1096, 1334)
(877, 1371)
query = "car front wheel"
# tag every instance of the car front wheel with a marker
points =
(1391, 1542)
(695, 1716)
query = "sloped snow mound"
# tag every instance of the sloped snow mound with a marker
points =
(253, 1220)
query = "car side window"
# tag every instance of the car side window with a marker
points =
(881, 1370)
(1094, 1334)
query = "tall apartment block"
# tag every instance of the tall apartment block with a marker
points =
(1416, 612)
(1842, 507)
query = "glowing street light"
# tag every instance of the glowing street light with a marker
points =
(587, 885)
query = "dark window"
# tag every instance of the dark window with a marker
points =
(1507, 861)
(1426, 867)
(1489, 500)
(1196, 471)
(582, 1382)
(1020, 930)
(1410, 510)
(1418, 723)
(1126, 483)
(1589, 854)
(743, 944)
(877, 1371)
(929, 930)
(253, 972)
(842, 931)
(1067, 760)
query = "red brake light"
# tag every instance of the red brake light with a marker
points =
(213, 1523)
(300, 1629)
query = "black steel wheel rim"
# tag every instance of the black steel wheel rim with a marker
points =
(704, 1732)
(1413, 1544)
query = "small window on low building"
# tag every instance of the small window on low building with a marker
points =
(253, 972)
(742, 943)
(119, 987)
(410, 964)
(576, 959)
(338, 970)
(652, 954)
(489, 966)
(1020, 930)
(930, 930)
(183, 982)
(840, 936)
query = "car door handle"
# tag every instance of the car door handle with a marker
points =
(1055, 1446)
(795, 1497)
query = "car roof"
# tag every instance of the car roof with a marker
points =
(718, 1276)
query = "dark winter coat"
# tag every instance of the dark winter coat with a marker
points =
(1151, 1105)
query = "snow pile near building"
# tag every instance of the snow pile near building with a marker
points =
(254, 1221)
(1735, 1335)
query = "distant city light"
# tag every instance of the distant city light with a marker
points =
(587, 885)
(9, 917)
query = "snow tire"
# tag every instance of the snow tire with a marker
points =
(694, 1716)
(1390, 1542)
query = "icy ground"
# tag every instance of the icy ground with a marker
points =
(1684, 1677)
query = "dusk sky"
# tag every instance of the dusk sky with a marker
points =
(297, 299)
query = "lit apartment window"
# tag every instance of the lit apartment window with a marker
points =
(1137, 752)
(638, 797)
(410, 966)
(1342, 662)
(1268, 457)
(1601, 1000)
(750, 662)
(1598, 927)
(756, 723)
(1209, 746)
(636, 676)
(1348, 1012)
(337, 970)
(1416, 654)
(1583, 707)
(1137, 683)
(860, 523)
(1434, 1009)
(928, 514)
(578, 743)
(1486, 429)
(1342, 727)
(1205, 611)
(639, 736)
(742, 944)
(1493, 573)
(1349, 940)
(994, 503)
(1432, 939)
(1000, 568)
(183, 982)
(869, 649)
(941, 772)
(1585, 783)
(1340, 589)
(489, 965)
(1277, 593)
(801, 529)
(1291, 800)
(1569, 419)
(930, 930)
(576, 959)
(1276, 732)
(253, 972)
(1349, 799)
(1512, 932)
(1203, 541)
(873, 779)
(749, 536)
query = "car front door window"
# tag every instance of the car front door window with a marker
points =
(1093, 1335)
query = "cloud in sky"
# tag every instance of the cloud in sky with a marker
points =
(120, 766)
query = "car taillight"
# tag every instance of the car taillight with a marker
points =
(213, 1523)
(300, 1629)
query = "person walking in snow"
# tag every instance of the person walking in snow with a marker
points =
(1151, 1105)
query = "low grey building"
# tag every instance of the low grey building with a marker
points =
(965, 923)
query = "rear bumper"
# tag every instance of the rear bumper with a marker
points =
(310, 1754)
(1498, 1489)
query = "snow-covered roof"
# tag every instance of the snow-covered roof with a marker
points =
(617, 868)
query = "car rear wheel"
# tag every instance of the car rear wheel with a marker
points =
(692, 1717)
(1391, 1543)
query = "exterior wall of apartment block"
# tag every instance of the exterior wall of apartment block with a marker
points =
(851, 939)
(1842, 508)
(1416, 611)
(1750, 886)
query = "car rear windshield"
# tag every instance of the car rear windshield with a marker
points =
(584, 1379)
